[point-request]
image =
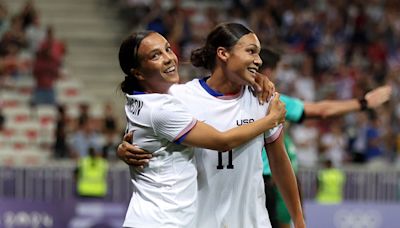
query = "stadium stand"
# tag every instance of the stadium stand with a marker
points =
(91, 32)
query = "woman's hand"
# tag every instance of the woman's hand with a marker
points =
(277, 110)
(131, 154)
(263, 88)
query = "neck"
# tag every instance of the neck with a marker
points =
(157, 88)
(220, 83)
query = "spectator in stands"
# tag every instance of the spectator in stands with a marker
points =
(56, 47)
(91, 175)
(2, 120)
(27, 14)
(46, 71)
(13, 36)
(12, 64)
(60, 146)
(305, 137)
(333, 143)
(83, 114)
(35, 34)
(154, 19)
(374, 150)
(4, 22)
(110, 126)
(109, 121)
(110, 146)
(359, 143)
(84, 138)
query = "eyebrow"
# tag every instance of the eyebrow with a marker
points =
(158, 49)
(244, 44)
(254, 45)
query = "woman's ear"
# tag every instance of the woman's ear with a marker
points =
(137, 74)
(222, 54)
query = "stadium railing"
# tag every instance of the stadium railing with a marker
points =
(55, 182)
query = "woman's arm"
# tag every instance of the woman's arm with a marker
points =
(328, 108)
(283, 176)
(205, 136)
(131, 154)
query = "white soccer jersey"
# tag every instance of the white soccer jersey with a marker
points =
(165, 192)
(231, 190)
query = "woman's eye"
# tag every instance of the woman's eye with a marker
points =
(155, 56)
(168, 49)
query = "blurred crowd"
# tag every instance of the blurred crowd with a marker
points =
(331, 49)
(30, 51)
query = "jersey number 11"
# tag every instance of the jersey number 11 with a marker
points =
(230, 165)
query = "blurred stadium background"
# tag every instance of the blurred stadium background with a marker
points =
(330, 49)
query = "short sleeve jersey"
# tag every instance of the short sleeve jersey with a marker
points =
(231, 191)
(165, 192)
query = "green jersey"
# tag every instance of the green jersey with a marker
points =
(294, 112)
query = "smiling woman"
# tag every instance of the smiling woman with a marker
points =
(154, 70)
(231, 52)
(165, 192)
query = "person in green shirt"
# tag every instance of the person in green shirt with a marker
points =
(296, 112)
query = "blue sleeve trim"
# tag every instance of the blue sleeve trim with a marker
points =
(180, 140)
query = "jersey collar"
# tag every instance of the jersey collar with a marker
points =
(137, 93)
(209, 90)
(212, 92)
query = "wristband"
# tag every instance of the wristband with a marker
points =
(363, 104)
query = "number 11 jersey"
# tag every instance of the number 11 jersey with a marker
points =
(231, 190)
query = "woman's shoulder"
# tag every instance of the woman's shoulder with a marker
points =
(150, 97)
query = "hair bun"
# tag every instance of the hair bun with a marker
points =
(197, 57)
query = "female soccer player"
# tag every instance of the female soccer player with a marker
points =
(231, 191)
(165, 192)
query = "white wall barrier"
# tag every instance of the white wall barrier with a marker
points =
(56, 183)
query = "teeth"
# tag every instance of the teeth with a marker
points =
(252, 70)
(170, 69)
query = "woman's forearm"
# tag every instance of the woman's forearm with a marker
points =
(284, 177)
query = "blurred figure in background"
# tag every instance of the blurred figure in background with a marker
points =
(4, 21)
(91, 175)
(374, 147)
(35, 34)
(110, 129)
(330, 184)
(56, 47)
(83, 114)
(2, 120)
(83, 138)
(46, 69)
(333, 144)
(60, 146)
(110, 123)
(27, 14)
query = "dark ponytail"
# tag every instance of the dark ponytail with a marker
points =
(223, 35)
(203, 57)
(129, 59)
